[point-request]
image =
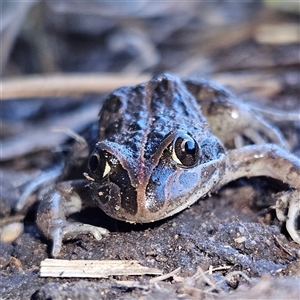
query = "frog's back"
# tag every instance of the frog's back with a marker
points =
(140, 117)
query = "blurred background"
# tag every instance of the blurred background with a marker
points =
(187, 38)
(250, 46)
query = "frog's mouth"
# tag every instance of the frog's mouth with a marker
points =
(168, 191)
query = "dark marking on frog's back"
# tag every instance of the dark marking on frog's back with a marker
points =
(160, 94)
(122, 118)
(172, 108)
(110, 122)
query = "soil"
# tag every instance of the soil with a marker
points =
(226, 231)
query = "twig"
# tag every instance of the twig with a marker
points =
(71, 133)
(211, 269)
(165, 276)
(93, 268)
(131, 284)
(66, 84)
(11, 219)
(234, 273)
(278, 34)
(282, 247)
(229, 275)
(200, 273)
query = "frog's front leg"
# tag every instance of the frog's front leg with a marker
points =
(270, 160)
(74, 164)
(230, 119)
(59, 202)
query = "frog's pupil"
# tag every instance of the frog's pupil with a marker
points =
(190, 147)
(93, 163)
(186, 151)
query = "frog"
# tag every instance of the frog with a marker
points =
(162, 145)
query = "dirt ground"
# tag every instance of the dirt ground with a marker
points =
(223, 231)
(227, 246)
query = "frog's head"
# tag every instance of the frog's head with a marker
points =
(178, 173)
(156, 155)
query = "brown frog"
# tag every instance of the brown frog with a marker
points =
(160, 147)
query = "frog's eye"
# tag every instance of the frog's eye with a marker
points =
(98, 165)
(185, 151)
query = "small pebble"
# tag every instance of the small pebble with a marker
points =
(11, 231)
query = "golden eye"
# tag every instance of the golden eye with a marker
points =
(185, 151)
(98, 165)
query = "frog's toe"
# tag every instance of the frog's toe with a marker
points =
(99, 232)
(66, 230)
(251, 134)
(282, 204)
(288, 209)
(238, 141)
(293, 217)
(254, 135)
(57, 242)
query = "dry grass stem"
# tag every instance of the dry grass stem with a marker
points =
(282, 247)
(279, 34)
(93, 268)
(165, 276)
(66, 84)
